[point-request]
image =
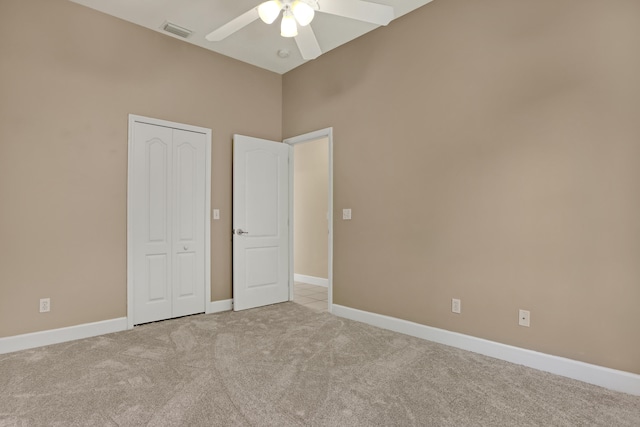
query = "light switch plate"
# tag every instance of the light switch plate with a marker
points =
(346, 213)
(216, 214)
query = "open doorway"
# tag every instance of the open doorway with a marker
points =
(311, 207)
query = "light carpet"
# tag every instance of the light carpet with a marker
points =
(286, 365)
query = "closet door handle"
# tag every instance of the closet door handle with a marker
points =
(240, 232)
(186, 248)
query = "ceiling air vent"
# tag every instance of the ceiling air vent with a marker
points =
(178, 31)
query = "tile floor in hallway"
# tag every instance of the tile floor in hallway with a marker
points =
(312, 296)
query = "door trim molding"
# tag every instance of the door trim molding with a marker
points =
(207, 205)
(307, 137)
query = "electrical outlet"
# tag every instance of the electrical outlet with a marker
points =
(524, 318)
(346, 214)
(45, 305)
(456, 305)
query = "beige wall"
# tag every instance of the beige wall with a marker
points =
(310, 195)
(69, 77)
(490, 152)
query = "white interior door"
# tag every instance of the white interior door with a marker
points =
(260, 222)
(168, 206)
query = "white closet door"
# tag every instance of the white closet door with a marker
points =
(152, 222)
(189, 218)
(169, 214)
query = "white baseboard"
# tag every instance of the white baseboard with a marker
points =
(219, 306)
(87, 330)
(56, 336)
(318, 281)
(626, 382)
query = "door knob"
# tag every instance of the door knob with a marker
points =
(240, 232)
(186, 247)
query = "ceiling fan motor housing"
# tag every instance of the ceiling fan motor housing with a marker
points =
(301, 12)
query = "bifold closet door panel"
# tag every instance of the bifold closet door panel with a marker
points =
(152, 222)
(189, 216)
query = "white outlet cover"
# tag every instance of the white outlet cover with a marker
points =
(45, 305)
(346, 213)
(524, 318)
(456, 305)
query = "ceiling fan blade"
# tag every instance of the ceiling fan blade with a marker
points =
(375, 13)
(307, 43)
(232, 26)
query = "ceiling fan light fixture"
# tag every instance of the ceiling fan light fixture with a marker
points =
(269, 11)
(288, 27)
(303, 12)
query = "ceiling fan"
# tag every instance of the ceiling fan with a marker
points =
(297, 14)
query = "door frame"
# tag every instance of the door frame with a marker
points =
(308, 137)
(133, 119)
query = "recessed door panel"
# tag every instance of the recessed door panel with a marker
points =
(261, 175)
(262, 267)
(158, 184)
(186, 175)
(187, 276)
(157, 278)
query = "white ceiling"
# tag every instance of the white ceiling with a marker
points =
(257, 43)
